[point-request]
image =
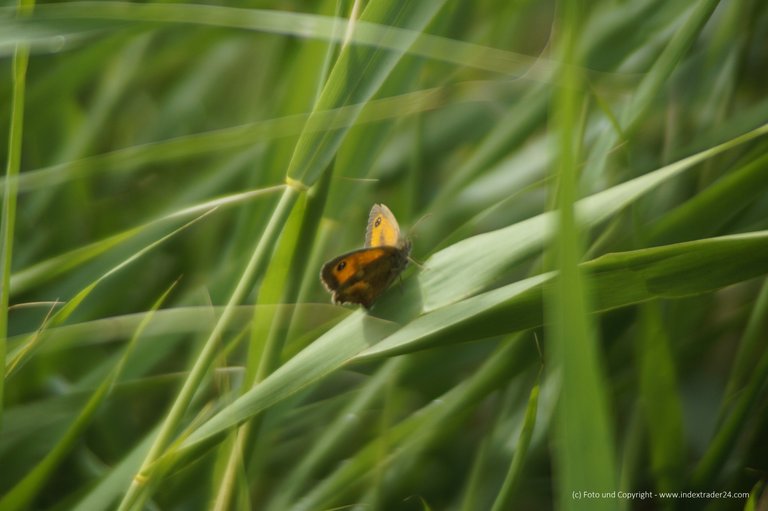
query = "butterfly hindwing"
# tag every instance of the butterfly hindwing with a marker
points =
(362, 275)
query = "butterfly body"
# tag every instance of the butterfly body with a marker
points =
(361, 276)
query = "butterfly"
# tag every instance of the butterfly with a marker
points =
(362, 275)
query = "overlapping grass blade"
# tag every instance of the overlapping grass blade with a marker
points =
(424, 427)
(472, 264)
(55, 266)
(16, 359)
(23, 494)
(441, 109)
(740, 406)
(617, 280)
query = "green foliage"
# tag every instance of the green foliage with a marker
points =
(586, 191)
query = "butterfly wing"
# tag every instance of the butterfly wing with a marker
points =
(362, 275)
(383, 229)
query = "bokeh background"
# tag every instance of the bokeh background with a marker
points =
(585, 185)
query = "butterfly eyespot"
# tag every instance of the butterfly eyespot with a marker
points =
(341, 265)
(377, 222)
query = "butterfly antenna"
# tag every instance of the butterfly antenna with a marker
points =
(541, 354)
(412, 230)
(415, 262)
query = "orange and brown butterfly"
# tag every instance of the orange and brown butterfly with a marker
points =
(362, 275)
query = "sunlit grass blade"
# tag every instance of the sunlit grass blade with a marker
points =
(178, 320)
(370, 31)
(472, 264)
(617, 280)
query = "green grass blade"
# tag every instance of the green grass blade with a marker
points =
(745, 403)
(504, 500)
(372, 29)
(322, 357)
(618, 280)
(138, 491)
(472, 264)
(585, 459)
(335, 436)
(40, 272)
(713, 207)
(183, 148)
(668, 61)
(357, 74)
(17, 359)
(424, 427)
(109, 488)
(650, 87)
(749, 348)
(23, 493)
(178, 320)
(10, 188)
(660, 400)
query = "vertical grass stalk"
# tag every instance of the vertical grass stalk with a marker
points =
(10, 190)
(584, 454)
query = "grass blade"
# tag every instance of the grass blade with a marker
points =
(23, 494)
(10, 188)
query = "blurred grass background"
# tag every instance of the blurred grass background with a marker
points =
(585, 186)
